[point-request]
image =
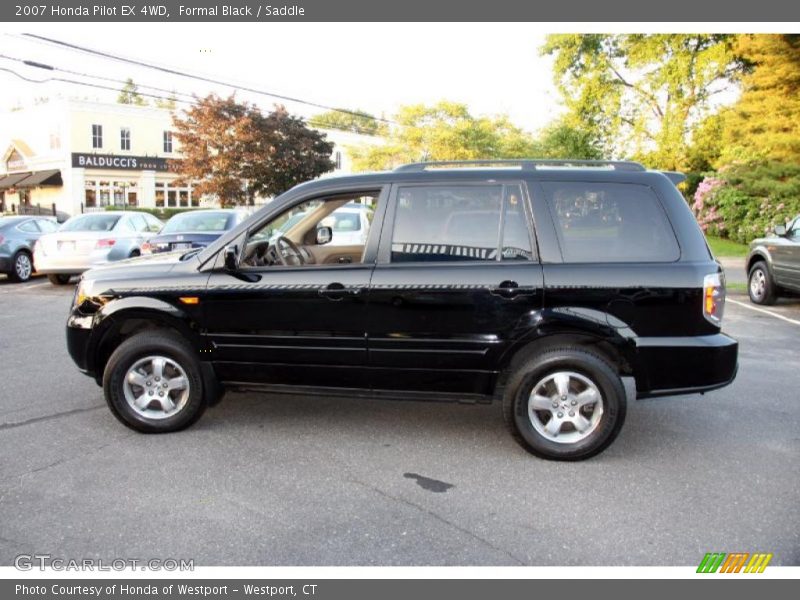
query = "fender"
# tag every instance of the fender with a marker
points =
(541, 326)
(759, 253)
(111, 316)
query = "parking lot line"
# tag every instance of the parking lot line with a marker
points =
(767, 312)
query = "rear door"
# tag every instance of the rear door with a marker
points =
(457, 277)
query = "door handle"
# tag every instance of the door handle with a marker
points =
(337, 291)
(510, 289)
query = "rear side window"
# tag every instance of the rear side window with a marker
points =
(610, 222)
(460, 223)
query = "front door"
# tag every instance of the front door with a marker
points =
(301, 323)
(786, 258)
(457, 279)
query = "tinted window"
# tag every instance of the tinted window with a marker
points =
(91, 223)
(460, 223)
(610, 222)
(199, 221)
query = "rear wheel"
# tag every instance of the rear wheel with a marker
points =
(564, 404)
(760, 286)
(22, 266)
(152, 383)
(59, 278)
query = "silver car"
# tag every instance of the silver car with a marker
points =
(90, 240)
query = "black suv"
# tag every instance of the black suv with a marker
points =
(558, 288)
(773, 264)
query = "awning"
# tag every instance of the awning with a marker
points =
(39, 178)
(10, 181)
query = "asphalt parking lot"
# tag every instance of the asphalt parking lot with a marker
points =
(291, 480)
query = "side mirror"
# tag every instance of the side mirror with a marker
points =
(780, 230)
(231, 256)
(324, 235)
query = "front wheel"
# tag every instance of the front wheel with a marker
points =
(564, 404)
(760, 286)
(152, 383)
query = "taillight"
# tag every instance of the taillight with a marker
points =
(714, 297)
(106, 243)
(147, 248)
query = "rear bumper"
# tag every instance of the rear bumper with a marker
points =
(72, 264)
(672, 366)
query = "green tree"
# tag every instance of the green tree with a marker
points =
(129, 94)
(233, 151)
(168, 103)
(764, 125)
(561, 140)
(444, 131)
(357, 121)
(641, 95)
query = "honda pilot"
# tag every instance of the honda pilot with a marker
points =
(559, 289)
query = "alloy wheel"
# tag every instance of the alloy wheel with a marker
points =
(565, 407)
(156, 387)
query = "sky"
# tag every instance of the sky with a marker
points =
(377, 67)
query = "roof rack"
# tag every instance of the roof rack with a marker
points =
(526, 164)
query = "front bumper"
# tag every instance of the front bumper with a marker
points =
(672, 366)
(79, 331)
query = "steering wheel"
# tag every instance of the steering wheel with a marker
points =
(284, 251)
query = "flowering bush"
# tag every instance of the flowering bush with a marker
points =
(746, 201)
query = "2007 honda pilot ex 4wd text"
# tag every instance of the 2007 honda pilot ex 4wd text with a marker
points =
(553, 287)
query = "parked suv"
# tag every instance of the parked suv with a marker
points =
(773, 264)
(549, 286)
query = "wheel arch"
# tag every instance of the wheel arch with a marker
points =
(756, 256)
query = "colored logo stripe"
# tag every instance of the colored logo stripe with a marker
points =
(734, 562)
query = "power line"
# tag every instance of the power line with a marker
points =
(47, 67)
(172, 71)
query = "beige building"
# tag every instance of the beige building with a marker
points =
(80, 156)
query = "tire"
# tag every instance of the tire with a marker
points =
(543, 373)
(134, 254)
(760, 286)
(21, 267)
(59, 278)
(141, 353)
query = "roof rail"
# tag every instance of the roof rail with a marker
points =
(526, 164)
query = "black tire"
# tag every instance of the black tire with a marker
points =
(134, 254)
(59, 278)
(16, 269)
(767, 292)
(586, 364)
(140, 346)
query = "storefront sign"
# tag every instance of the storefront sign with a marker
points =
(125, 163)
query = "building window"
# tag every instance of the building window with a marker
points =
(338, 159)
(167, 141)
(99, 194)
(125, 138)
(55, 140)
(175, 197)
(97, 136)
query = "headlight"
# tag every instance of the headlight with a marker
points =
(82, 292)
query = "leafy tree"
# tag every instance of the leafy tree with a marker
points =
(560, 140)
(168, 103)
(129, 94)
(765, 123)
(444, 131)
(233, 151)
(357, 121)
(641, 94)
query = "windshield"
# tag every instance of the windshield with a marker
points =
(199, 222)
(91, 223)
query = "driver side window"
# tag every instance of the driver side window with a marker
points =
(329, 230)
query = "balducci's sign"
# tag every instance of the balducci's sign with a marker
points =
(111, 161)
